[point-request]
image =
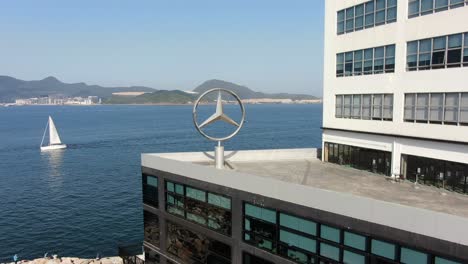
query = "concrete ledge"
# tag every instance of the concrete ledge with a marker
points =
(240, 155)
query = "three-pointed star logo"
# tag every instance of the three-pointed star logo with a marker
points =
(219, 115)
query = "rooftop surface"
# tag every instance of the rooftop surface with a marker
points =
(313, 172)
(300, 166)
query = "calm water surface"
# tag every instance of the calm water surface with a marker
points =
(87, 198)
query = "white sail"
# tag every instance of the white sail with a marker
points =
(54, 138)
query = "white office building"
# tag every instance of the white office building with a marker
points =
(396, 88)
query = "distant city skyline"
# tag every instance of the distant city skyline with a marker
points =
(269, 46)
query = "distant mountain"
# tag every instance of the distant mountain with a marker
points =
(11, 89)
(158, 97)
(246, 93)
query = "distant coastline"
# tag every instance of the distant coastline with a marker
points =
(158, 104)
(51, 91)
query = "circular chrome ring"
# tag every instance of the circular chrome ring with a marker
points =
(194, 114)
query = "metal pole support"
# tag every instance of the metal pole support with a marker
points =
(219, 156)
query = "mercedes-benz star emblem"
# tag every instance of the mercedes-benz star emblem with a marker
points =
(219, 114)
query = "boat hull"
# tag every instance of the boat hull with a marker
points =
(53, 147)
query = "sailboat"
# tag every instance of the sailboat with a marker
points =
(54, 138)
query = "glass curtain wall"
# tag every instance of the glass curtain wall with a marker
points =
(151, 227)
(150, 190)
(205, 208)
(251, 259)
(195, 248)
(444, 174)
(375, 161)
(308, 241)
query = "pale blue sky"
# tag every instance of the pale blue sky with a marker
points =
(268, 45)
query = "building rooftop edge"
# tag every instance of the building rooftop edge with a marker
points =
(441, 225)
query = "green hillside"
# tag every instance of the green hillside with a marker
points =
(158, 97)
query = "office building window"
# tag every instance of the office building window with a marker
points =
(192, 247)
(437, 108)
(463, 120)
(369, 61)
(260, 227)
(413, 256)
(451, 108)
(347, 106)
(422, 107)
(383, 249)
(357, 104)
(365, 106)
(204, 208)
(387, 107)
(349, 19)
(370, 14)
(436, 111)
(355, 241)
(150, 190)
(358, 60)
(390, 58)
(359, 17)
(377, 107)
(348, 63)
(465, 50)
(410, 103)
(454, 51)
(424, 7)
(437, 53)
(424, 54)
(339, 106)
(340, 64)
(151, 226)
(341, 22)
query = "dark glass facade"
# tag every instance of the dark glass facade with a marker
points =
(205, 208)
(444, 174)
(151, 257)
(308, 241)
(195, 248)
(151, 226)
(372, 160)
(150, 190)
(251, 259)
(277, 230)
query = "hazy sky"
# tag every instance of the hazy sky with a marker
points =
(268, 45)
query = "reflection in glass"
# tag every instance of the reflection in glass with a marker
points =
(151, 226)
(192, 247)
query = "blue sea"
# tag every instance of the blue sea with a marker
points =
(87, 199)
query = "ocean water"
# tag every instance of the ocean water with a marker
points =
(87, 199)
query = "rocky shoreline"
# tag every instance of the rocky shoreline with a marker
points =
(69, 260)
